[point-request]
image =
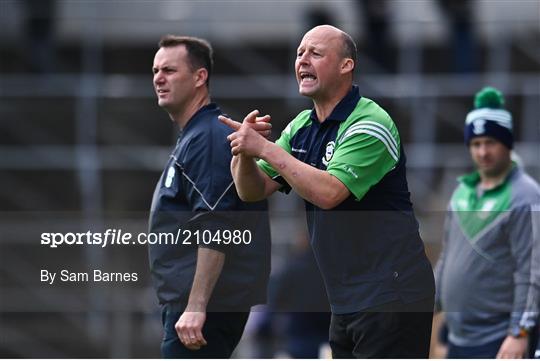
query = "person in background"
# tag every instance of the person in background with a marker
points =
(487, 281)
(297, 295)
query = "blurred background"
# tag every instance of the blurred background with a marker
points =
(83, 142)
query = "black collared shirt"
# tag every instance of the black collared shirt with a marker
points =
(196, 193)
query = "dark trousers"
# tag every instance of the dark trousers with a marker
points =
(534, 341)
(392, 330)
(222, 331)
(488, 350)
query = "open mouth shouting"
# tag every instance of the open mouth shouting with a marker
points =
(307, 78)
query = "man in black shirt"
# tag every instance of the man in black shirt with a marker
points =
(221, 260)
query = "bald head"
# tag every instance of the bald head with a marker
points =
(325, 28)
(343, 40)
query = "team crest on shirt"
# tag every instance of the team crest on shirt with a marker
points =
(479, 126)
(329, 153)
(170, 177)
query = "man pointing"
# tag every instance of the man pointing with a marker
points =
(344, 157)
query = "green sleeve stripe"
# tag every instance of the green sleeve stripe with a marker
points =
(377, 131)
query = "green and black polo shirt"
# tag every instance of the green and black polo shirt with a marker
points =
(368, 247)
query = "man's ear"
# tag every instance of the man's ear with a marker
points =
(201, 75)
(347, 65)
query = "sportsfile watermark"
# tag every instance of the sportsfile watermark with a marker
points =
(54, 254)
(119, 237)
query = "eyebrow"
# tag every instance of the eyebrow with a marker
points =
(318, 46)
(154, 68)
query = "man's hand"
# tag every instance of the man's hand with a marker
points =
(189, 329)
(246, 140)
(513, 347)
(261, 124)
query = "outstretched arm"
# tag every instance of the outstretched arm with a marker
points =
(314, 185)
